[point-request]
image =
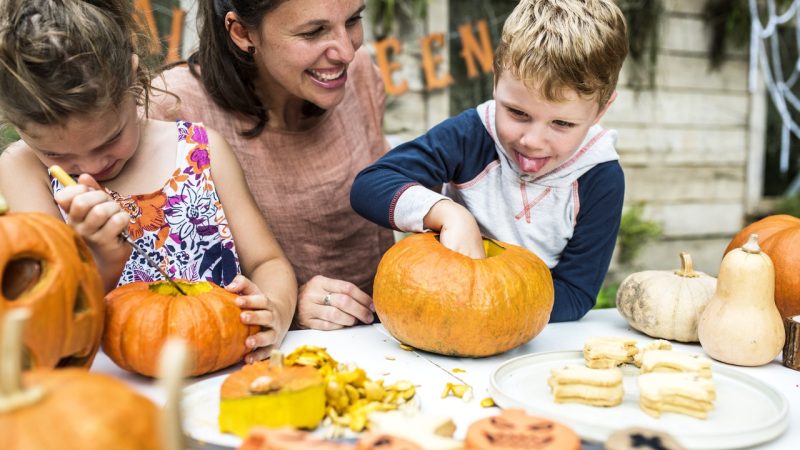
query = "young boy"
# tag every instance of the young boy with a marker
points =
(531, 167)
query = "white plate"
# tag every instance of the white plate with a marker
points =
(746, 412)
(201, 412)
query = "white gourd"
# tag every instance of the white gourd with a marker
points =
(741, 324)
(666, 304)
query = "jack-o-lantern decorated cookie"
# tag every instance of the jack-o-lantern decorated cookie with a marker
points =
(514, 429)
(641, 439)
(383, 441)
(287, 439)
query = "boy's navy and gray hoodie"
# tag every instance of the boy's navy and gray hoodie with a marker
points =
(569, 217)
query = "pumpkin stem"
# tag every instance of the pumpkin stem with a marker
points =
(12, 395)
(686, 269)
(172, 367)
(3, 205)
(751, 246)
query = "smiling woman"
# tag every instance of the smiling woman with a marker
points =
(287, 84)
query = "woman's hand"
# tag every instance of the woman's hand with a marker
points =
(257, 309)
(328, 304)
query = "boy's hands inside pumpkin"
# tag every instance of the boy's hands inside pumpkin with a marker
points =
(457, 228)
(328, 304)
(259, 310)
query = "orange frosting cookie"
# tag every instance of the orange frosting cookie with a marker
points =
(272, 396)
(382, 441)
(287, 439)
(514, 429)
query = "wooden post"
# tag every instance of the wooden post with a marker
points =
(791, 349)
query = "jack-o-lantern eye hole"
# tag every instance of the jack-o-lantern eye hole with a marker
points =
(81, 303)
(20, 276)
(381, 442)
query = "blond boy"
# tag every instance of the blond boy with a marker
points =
(532, 166)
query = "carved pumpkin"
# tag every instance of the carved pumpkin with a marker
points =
(779, 238)
(46, 267)
(141, 316)
(666, 304)
(514, 429)
(437, 300)
(68, 409)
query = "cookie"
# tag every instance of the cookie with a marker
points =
(679, 392)
(637, 438)
(513, 429)
(671, 361)
(658, 344)
(578, 384)
(608, 351)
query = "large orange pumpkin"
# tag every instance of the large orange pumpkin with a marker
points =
(141, 316)
(68, 409)
(437, 300)
(779, 238)
(46, 267)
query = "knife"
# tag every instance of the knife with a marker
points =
(67, 180)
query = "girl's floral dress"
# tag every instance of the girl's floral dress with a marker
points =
(182, 226)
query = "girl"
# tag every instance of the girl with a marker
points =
(71, 83)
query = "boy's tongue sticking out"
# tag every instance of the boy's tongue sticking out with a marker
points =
(530, 165)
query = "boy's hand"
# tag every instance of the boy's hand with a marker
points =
(257, 310)
(457, 228)
(329, 304)
(94, 215)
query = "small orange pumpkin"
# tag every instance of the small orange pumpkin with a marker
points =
(779, 238)
(514, 429)
(46, 267)
(68, 409)
(441, 301)
(141, 316)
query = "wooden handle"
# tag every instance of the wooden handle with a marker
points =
(791, 349)
(62, 176)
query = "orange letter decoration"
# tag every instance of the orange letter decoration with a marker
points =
(382, 49)
(470, 49)
(175, 36)
(144, 15)
(431, 62)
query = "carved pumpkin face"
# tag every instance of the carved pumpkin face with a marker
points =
(45, 266)
(513, 429)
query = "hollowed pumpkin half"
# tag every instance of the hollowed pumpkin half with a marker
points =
(141, 316)
(441, 301)
(46, 267)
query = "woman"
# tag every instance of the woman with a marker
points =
(285, 83)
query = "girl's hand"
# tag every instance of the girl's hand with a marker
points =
(257, 310)
(328, 304)
(95, 216)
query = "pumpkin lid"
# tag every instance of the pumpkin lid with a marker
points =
(263, 378)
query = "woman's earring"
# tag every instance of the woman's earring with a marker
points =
(251, 50)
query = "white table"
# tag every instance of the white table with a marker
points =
(374, 350)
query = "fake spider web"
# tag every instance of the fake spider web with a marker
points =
(765, 53)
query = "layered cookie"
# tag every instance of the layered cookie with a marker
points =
(608, 351)
(670, 361)
(658, 344)
(682, 393)
(578, 384)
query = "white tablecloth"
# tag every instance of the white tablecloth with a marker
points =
(373, 349)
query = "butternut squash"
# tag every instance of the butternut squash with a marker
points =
(741, 324)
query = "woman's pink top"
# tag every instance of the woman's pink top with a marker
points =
(301, 180)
